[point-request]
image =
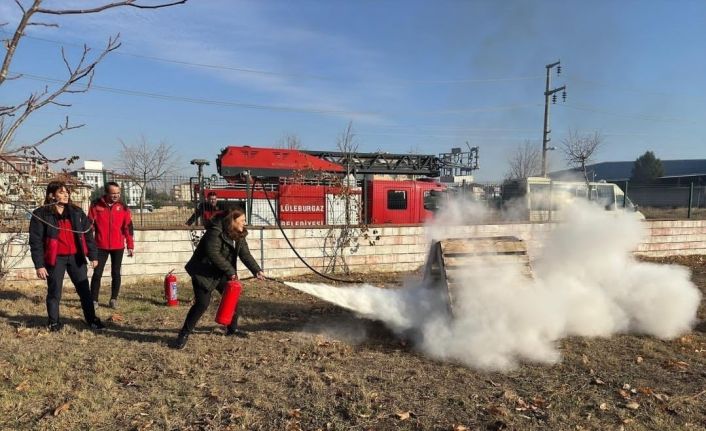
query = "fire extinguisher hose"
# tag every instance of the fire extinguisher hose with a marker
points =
(279, 225)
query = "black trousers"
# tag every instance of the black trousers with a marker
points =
(202, 298)
(116, 261)
(78, 273)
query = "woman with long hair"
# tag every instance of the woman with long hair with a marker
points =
(61, 241)
(213, 263)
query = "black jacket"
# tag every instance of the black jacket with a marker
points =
(215, 259)
(43, 235)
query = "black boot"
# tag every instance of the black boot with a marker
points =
(181, 340)
(55, 326)
(96, 325)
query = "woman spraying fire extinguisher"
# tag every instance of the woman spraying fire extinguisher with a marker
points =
(213, 264)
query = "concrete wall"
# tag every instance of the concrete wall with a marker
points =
(388, 248)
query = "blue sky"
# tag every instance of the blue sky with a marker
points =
(422, 76)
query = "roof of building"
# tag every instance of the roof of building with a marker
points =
(617, 171)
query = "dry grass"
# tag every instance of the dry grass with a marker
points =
(673, 213)
(309, 366)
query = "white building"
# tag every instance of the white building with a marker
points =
(95, 175)
(92, 173)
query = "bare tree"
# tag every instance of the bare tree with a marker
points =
(18, 189)
(525, 162)
(338, 239)
(146, 164)
(290, 141)
(79, 76)
(579, 150)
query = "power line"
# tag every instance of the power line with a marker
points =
(202, 101)
(294, 75)
(634, 116)
(197, 100)
(622, 88)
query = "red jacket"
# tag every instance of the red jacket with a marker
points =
(112, 225)
(44, 233)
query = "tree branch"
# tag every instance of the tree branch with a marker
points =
(97, 9)
(76, 74)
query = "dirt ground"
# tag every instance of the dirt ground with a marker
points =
(308, 365)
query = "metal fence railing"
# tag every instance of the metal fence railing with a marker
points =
(169, 202)
(667, 201)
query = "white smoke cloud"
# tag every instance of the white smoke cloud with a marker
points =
(585, 282)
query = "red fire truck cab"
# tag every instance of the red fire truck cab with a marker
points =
(398, 202)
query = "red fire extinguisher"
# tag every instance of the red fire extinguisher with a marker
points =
(170, 289)
(229, 302)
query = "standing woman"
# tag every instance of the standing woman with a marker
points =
(214, 263)
(60, 240)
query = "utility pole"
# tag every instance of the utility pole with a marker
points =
(549, 92)
(200, 164)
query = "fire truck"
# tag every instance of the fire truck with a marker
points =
(316, 188)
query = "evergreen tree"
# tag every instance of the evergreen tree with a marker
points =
(647, 168)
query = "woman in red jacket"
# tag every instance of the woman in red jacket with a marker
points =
(60, 240)
(113, 228)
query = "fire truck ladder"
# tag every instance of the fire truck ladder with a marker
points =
(409, 164)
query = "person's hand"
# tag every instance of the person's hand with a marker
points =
(130, 252)
(42, 273)
(94, 263)
(261, 276)
(234, 277)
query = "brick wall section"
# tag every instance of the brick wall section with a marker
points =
(400, 248)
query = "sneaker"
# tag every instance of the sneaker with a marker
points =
(236, 332)
(55, 327)
(180, 341)
(113, 303)
(95, 305)
(97, 325)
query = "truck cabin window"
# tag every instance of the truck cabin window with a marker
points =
(396, 200)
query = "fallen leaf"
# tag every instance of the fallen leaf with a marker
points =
(538, 402)
(460, 428)
(645, 390)
(638, 360)
(498, 410)
(584, 359)
(22, 387)
(201, 385)
(116, 318)
(623, 393)
(294, 413)
(603, 406)
(510, 395)
(686, 339)
(284, 340)
(662, 397)
(626, 386)
(597, 381)
(675, 365)
(23, 332)
(403, 416)
(61, 409)
(632, 406)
